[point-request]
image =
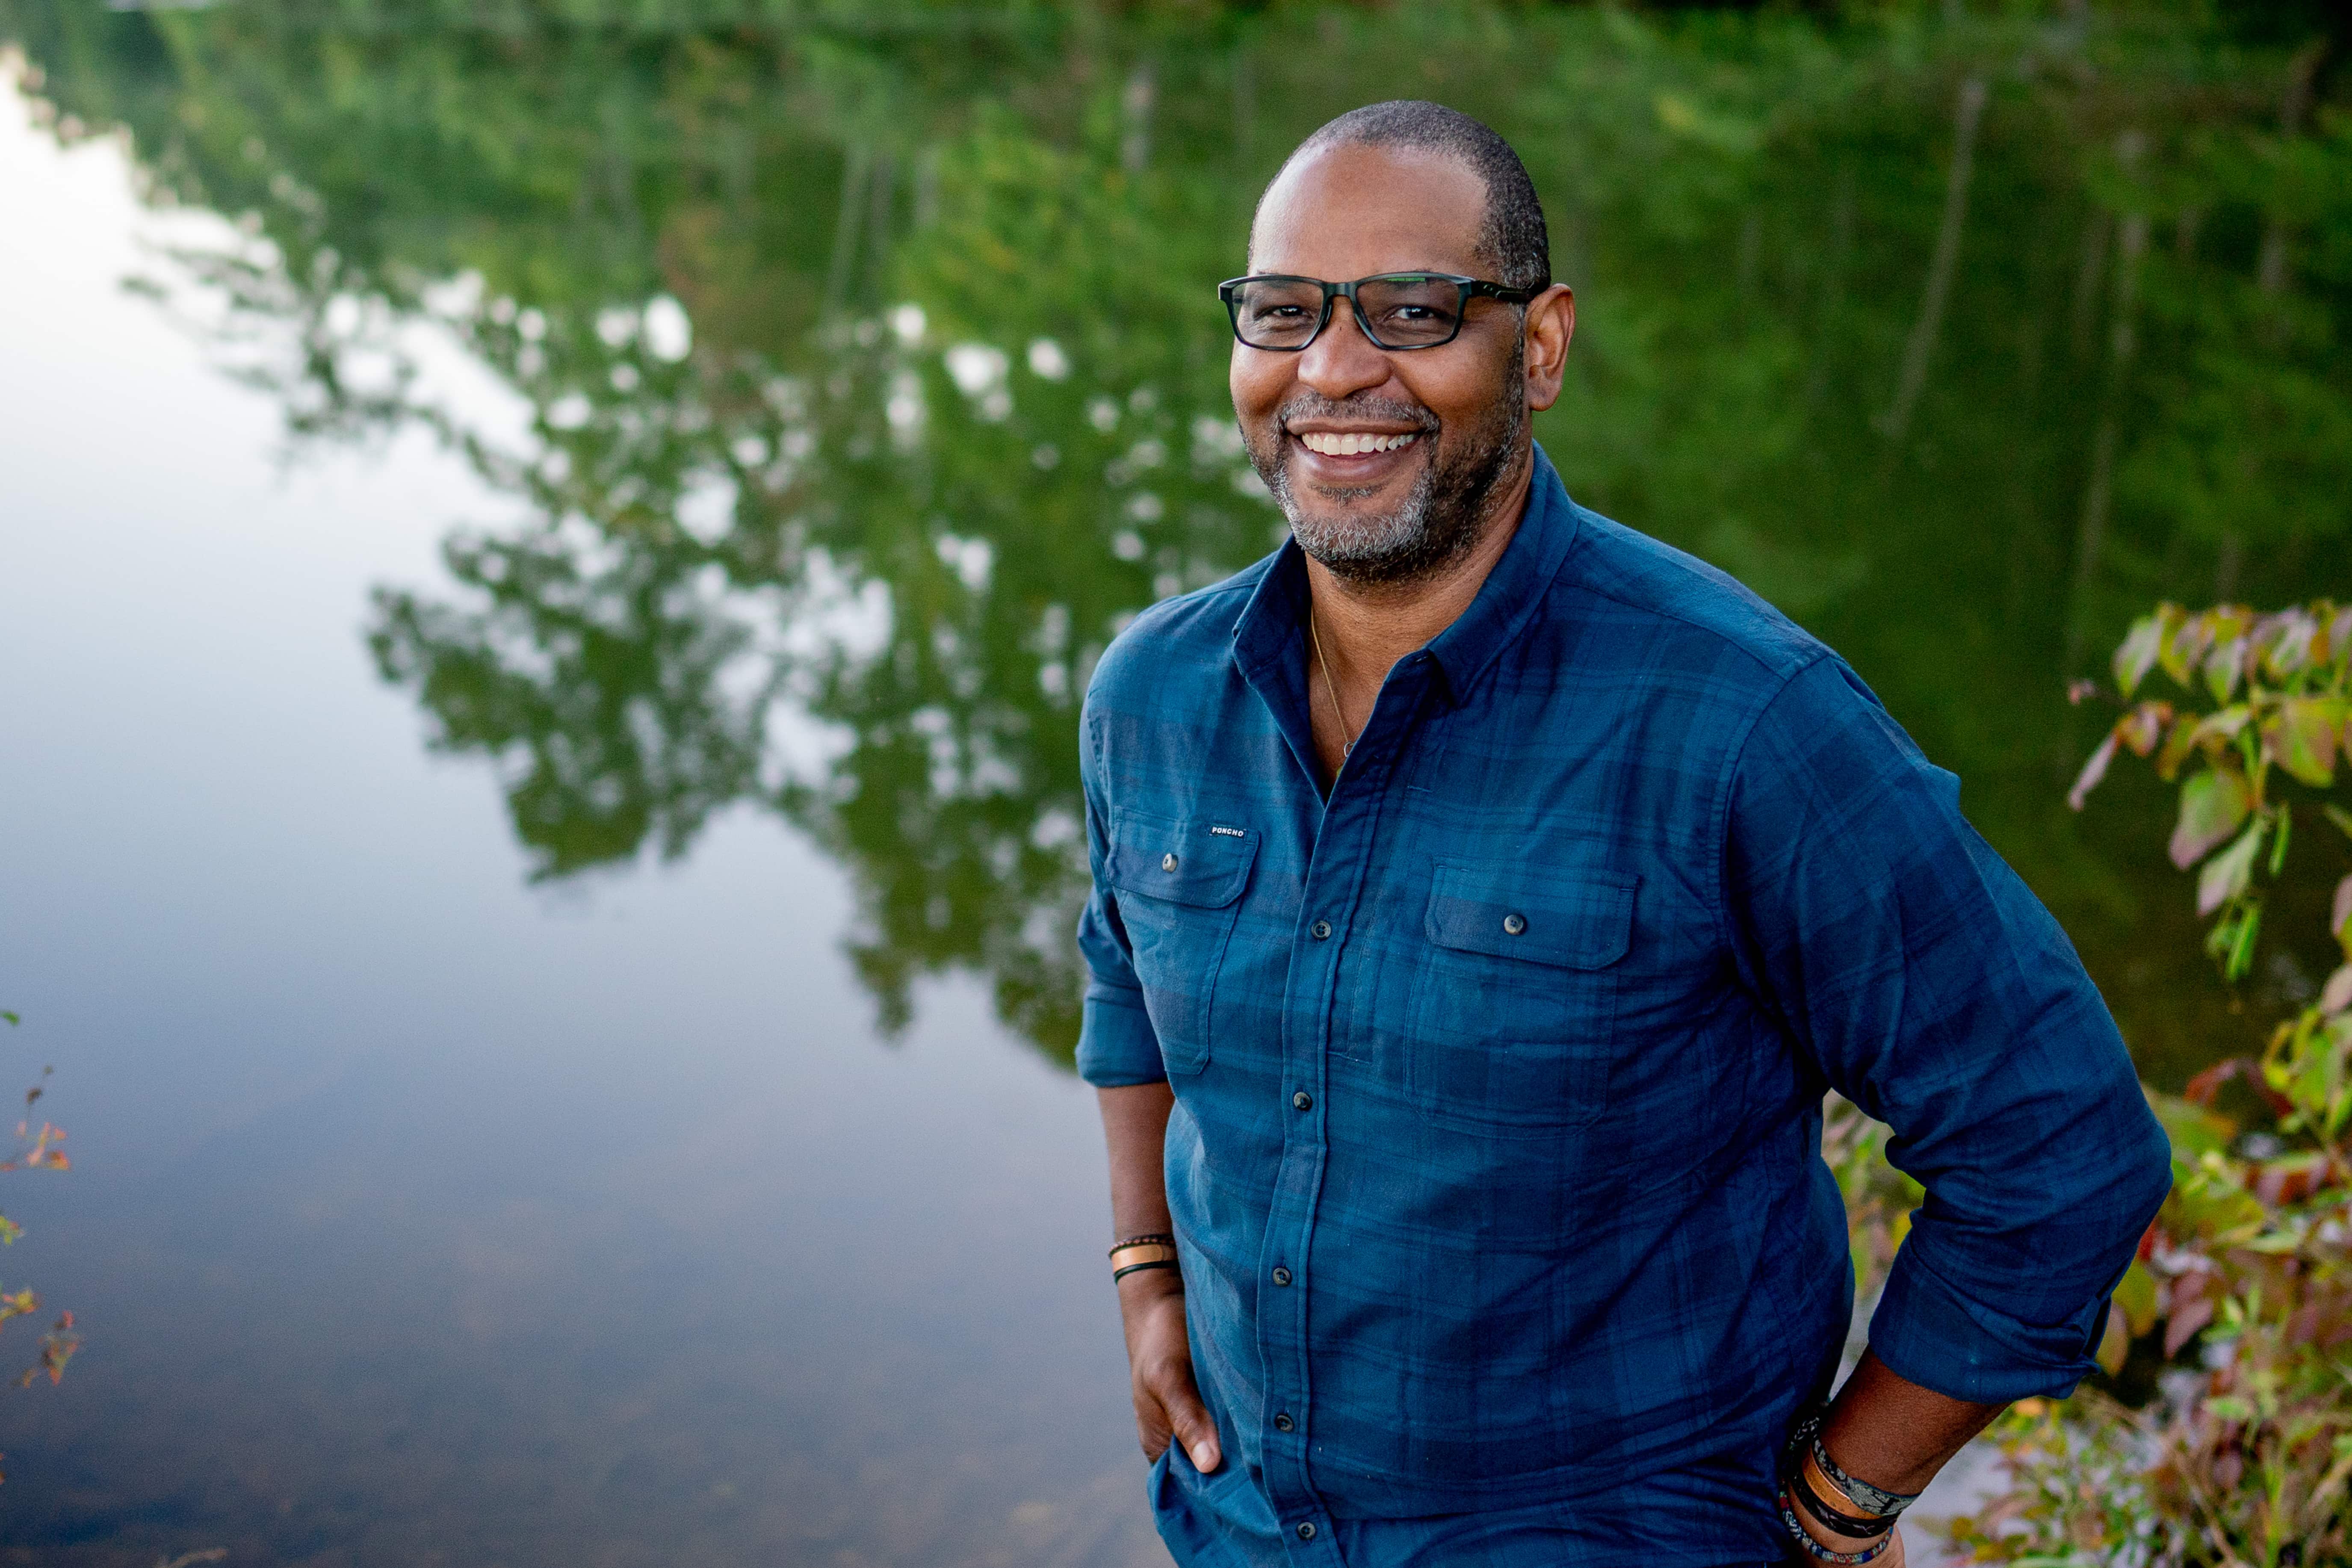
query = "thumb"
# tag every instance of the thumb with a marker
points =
(1194, 1430)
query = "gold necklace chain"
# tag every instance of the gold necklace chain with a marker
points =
(1347, 745)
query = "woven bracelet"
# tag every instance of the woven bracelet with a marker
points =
(1154, 1238)
(1821, 1509)
(1878, 1499)
(1820, 1554)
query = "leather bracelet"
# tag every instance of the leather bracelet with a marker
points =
(1820, 1554)
(1137, 1253)
(1148, 1239)
(1802, 1489)
(1118, 1274)
(1861, 1494)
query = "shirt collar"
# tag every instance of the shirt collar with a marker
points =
(1267, 636)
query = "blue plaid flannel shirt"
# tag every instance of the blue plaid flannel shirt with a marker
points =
(1494, 1160)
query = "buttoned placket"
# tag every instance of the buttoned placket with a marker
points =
(1345, 839)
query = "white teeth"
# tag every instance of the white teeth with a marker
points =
(1353, 443)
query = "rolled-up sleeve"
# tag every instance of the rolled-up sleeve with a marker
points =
(1117, 1046)
(1912, 967)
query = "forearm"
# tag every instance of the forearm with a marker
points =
(1135, 1130)
(1887, 1430)
(1883, 1432)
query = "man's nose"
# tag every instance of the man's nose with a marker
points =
(1343, 360)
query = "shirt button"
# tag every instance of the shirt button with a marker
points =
(1512, 924)
(1303, 1100)
(1320, 929)
(1282, 1276)
(1282, 1423)
(1168, 863)
(1306, 1530)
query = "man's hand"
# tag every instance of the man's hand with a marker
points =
(1159, 1361)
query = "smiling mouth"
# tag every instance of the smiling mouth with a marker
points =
(1333, 444)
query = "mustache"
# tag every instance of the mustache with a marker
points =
(1311, 405)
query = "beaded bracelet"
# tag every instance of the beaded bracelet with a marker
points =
(1820, 1554)
(1148, 1239)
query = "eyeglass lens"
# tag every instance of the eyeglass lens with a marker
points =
(1402, 312)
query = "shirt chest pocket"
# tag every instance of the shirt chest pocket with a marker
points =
(1178, 886)
(1513, 1023)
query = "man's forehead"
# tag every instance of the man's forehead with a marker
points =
(1350, 210)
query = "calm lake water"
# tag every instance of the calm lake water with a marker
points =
(541, 636)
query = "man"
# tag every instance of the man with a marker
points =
(1485, 895)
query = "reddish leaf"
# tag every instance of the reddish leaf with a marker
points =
(2185, 1322)
(2212, 805)
(2200, 1090)
(2142, 727)
(2337, 994)
(2092, 772)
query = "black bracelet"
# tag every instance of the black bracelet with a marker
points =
(1815, 1550)
(1118, 1274)
(1823, 1510)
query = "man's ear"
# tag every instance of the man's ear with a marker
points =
(1551, 323)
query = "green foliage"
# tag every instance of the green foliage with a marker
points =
(2241, 1293)
(37, 1150)
(2282, 685)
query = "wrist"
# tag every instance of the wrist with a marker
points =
(1149, 1285)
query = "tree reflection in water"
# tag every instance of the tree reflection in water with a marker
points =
(874, 378)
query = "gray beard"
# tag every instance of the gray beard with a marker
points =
(1438, 523)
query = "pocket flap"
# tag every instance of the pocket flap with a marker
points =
(1575, 919)
(1201, 863)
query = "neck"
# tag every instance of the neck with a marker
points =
(1368, 627)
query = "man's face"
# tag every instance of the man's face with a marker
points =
(1450, 422)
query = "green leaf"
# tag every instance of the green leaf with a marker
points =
(2339, 919)
(2224, 665)
(2193, 1129)
(2286, 642)
(2242, 952)
(2231, 872)
(2285, 824)
(14, 1019)
(2335, 814)
(2135, 1294)
(2137, 655)
(2191, 636)
(2301, 738)
(2212, 804)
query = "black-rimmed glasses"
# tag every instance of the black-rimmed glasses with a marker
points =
(1396, 309)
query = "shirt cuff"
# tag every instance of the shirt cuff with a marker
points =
(1941, 1340)
(1117, 1046)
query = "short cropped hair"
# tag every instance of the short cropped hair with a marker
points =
(1513, 236)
